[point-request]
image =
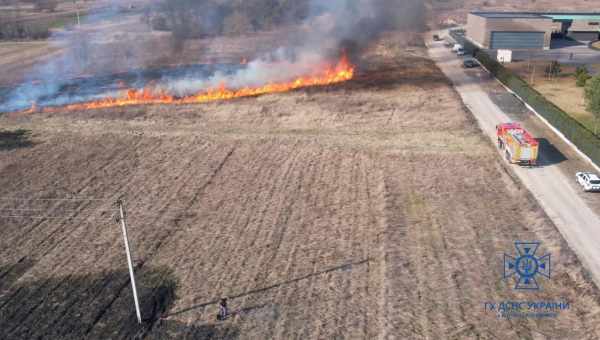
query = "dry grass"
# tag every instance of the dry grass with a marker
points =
(17, 59)
(369, 209)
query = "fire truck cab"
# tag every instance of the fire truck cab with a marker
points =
(518, 145)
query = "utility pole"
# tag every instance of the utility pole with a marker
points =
(77, 10)
(129, 262)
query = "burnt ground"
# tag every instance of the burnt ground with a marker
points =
(373, 208)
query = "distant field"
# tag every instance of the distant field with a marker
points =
(27, 12)
(65, 12)
(36, 24)
(17, 58)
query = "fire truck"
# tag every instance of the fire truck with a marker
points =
(518, 145)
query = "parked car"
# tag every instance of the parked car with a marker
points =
(460, 52)
(436, 37)
(470, 63)
(457, 47)
(589, 181)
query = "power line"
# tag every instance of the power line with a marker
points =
(56, 213)
(52, 199)
(93, 216)
(87, 209)
(172, 211)
(54, 217)
(59, 210)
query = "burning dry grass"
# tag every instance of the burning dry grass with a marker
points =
(363, 209)
(323, 75)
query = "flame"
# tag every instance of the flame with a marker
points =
(341, 72)
(33, 108)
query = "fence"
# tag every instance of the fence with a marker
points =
(578, 134)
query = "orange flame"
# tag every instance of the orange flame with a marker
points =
(341, 72)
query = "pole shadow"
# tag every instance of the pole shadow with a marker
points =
(94, 306)
(343, 267)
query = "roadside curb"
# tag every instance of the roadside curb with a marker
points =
(555, 130)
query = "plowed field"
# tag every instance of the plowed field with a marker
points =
(370, 209)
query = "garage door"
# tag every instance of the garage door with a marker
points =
(584, 36)
(517, 40)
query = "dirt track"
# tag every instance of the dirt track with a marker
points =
(369, 209)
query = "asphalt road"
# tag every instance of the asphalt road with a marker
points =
(565, 52)
(563, 203)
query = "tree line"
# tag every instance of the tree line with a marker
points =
(195, 19)
(13, 26)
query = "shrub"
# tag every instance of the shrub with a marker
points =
(592, 98)
(20, 31)
(582, 75)
(159, 23)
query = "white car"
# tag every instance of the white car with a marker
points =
(588, 180)
(460, 52)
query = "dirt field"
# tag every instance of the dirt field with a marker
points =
(369, 209)
(65, 9)
(16, 58)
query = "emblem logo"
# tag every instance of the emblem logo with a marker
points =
(526, 266)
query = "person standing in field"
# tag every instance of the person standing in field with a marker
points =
(223, 310)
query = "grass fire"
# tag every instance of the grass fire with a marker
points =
(324, 74)
(265, 169)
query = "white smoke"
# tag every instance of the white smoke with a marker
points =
(332, 27)
(277, 67)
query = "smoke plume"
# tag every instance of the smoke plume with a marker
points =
(322, 30)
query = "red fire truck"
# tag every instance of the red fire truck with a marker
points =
(518, 145)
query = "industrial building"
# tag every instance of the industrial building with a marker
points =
(528, 30)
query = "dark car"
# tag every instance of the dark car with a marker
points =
(470, 63)
(436, 37)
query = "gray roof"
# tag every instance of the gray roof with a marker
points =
(510, 15)
(540, 15)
